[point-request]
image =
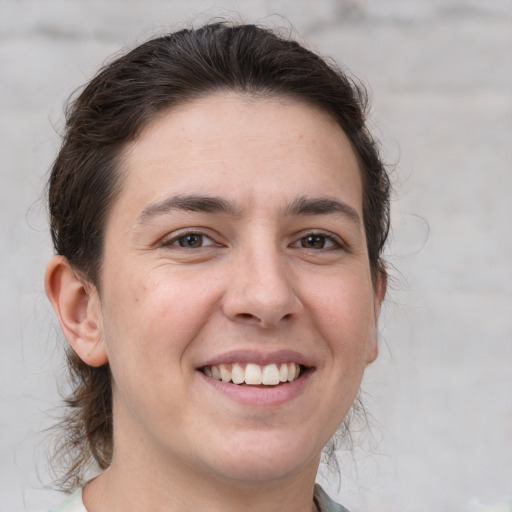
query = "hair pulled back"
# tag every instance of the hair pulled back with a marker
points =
(111, 111)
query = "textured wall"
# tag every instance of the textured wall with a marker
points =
(440, 395)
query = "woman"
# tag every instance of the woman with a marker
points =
(218, 209)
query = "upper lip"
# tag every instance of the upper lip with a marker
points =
(258, 357)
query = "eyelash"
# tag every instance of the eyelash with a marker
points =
(175, 241)
(336, 244)
(332, 242)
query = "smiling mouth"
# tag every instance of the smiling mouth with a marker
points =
(254, 374)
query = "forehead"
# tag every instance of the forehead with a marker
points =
(225, 115)
(252, 143)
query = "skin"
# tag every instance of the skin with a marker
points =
(273, 273)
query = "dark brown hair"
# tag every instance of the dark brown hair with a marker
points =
(112, 110)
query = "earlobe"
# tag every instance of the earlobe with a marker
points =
(372, 350)
(77, 306)
(379, 293)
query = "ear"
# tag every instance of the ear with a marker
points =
(379, 292)
(78, 308)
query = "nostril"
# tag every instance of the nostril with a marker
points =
(249, 316)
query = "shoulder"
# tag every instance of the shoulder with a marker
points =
(324, 503)
(73, 504)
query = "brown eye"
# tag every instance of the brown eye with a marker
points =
(313, 242)
(191, 241)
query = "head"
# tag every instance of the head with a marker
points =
(139, 91)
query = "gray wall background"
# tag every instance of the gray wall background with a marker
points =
(440, 395)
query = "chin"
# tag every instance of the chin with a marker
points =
(266, 460)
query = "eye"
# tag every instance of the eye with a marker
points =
(190, 241)
(313, 242)
(317, 241)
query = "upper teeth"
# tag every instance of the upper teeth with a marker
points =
(270, 374)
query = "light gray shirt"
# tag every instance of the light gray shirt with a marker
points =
(75, 504)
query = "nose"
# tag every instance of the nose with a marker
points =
(261, 290)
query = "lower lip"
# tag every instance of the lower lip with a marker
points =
(260, 396)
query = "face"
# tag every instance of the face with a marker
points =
(237, 307)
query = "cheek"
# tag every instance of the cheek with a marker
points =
(154, 317)
(147, 332)
(344, 313)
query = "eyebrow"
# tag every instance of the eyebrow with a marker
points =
(191, 203)
(321, 206)
(211, 204)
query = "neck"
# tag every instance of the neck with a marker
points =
(132, 483)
